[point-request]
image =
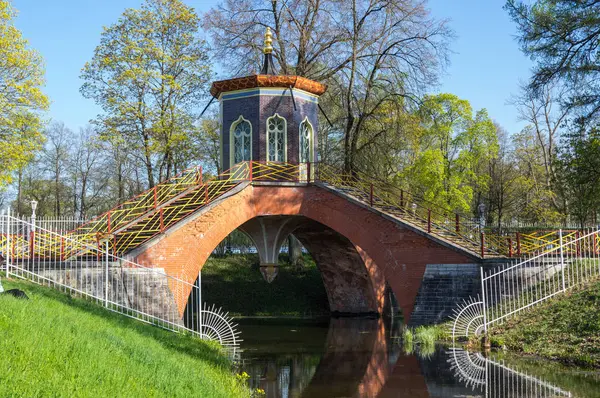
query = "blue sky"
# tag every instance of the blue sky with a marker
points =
(486, 64)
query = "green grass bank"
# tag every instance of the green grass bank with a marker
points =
(235, 283)
(564, 328)
(57, 345)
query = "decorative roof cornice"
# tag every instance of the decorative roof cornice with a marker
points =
(283, 81)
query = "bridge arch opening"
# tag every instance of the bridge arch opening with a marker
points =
(340, 285)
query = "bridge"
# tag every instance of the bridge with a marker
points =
(363, 234)
(366, 236)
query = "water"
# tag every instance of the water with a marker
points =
(358, 358)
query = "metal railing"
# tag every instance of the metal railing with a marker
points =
(494, 378)
(150, 213)
(511, 288)
(147, 294)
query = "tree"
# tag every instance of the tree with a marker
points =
(503, 193)
(546, 117)
(87, 167)
(562, 36)
(450, 150)
(21, 97)
(55, 158)
(295, 253)
(368, 52)
(579, 169)
(149, 74)
(535, 204)
(207, 141)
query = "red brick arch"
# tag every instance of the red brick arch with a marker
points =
(391, 251)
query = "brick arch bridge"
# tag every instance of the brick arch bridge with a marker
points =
(358, 250)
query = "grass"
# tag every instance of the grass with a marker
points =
(234, 282)
(56, 345)
(564, 328)
(423, 337)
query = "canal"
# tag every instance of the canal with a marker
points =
(363, 358)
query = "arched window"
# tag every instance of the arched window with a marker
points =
(241, 141)
(306, 141)
(276, 139)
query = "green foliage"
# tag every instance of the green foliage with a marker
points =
(21, 97)
(566, 328)
(425, 336)
(408, 336)
(451, 147)
(562, 37)
(235, 282)
(55, 345)
(496, 342)
(423, 339)
(149, 74)
(535, 198)
(579, 170)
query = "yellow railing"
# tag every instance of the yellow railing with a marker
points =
(460, 229)
(150, 213)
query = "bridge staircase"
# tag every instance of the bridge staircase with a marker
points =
(451, 227)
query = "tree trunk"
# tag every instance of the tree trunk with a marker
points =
(295, 253)
(19, 191)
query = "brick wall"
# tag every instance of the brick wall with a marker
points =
(395, 252)
(257, 110)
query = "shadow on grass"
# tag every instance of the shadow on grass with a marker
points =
(180, 342)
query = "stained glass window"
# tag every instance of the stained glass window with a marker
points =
(305, 141)
(242, 135)
(276, 131)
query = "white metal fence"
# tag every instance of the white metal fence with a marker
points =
(59, 225)
(516, 286)
(30, 251)
(495, 379)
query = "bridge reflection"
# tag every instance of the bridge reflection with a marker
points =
(357, 358)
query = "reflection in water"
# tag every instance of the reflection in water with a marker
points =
(494, 379)
(357, 358)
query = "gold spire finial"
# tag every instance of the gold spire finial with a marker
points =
(268, 49)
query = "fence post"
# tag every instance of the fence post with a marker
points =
(483, 298)
(106, 276)
(6, 230)
(308, 172)
(161, 218)
(371, 195)
(250, 171)
(108, 219)
(518, 244)
(200, 303)
(62, 248)
(429, 221)
(32, 244)
(482, 245)
(578, 245)
(11, 243)
(510, 248)
(457, 221)
(98, 247)
(562, 258)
